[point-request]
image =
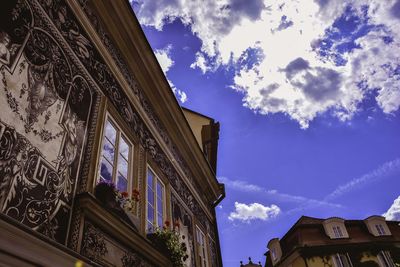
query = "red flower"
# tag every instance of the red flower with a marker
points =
(167, 223)
(124, 194)
(135, 192)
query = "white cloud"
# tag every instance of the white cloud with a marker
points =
(393, 213)
(254, 211)
(285, 31)
(164, 58)
(240, 185)
(386, 169)
(277, 196)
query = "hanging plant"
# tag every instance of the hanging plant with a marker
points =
(169, 242)
(118, 202)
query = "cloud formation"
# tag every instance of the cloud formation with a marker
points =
(244, 186)
(254, 211)
(393, 213)
(386, 169)
(347, 49)
(164, 59)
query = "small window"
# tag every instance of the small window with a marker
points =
(273, 254)
(380, 229)
(201, 247)
(337, 231)
(385, 260)
(341, 260)
(116, 155)
(155, 201)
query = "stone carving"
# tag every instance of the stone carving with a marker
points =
(94, 246)
(45, 108)
(133, 259)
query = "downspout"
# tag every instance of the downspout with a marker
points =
(216, 202)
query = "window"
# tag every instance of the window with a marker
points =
(385, 260)
(155, 201)
(380, 229)
(201, 247)
(273, 254)
(337, 231)
(116, 155)
(341, 260)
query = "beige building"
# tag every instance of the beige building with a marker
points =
(96, 155)
(335, 242)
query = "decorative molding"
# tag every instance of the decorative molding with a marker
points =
(74, 229)
(93, 244)
(130, 259)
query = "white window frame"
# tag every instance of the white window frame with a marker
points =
(202, 249)
(119, 135)
(338, 262)
(273, 254)
(337, 231)
(156, 179)
(385, 260)
(380, 229)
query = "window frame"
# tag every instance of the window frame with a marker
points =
(203, 259)
(385, 259)
(121, 133)
(337, 231)
(338, 257)
(380, 229)
(156, 178)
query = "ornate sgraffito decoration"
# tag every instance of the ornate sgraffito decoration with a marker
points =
(66, 22)
(94, 245)
(133, 259)
(101, 248)
(45, 109)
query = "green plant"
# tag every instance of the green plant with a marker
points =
(126, 202)
(171, 241)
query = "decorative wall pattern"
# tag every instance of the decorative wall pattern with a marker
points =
(100, 248)
(66, 22)
(45, 108)
(50, 76)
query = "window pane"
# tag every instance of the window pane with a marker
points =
(339, 232)
(149, 226)
(159, 220)
(108, 150)
(106, 170)
(124, 148)
(123, 166)
(160, 190)
(122, 183)
(110, 132)
(159, 206)
(150, 196)
(150, 213)
(150, 176)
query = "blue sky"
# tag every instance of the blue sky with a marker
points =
(308, 97)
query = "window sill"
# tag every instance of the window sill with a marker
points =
(119, 229)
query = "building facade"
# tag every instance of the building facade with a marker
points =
(96, 155)
(335, 242)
